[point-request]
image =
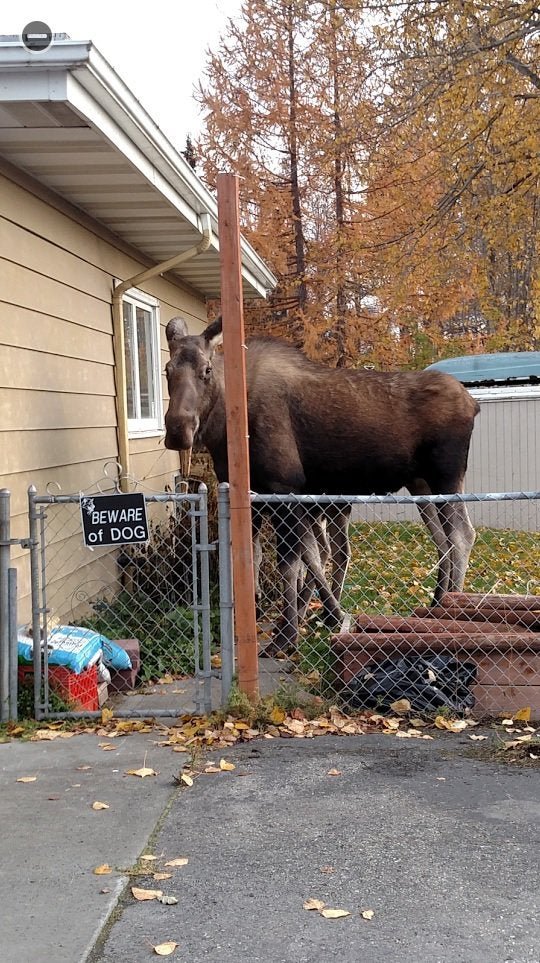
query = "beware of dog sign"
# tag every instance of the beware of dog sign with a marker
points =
(114, 519)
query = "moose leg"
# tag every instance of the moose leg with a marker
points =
(311, 555)
(430, 516)
(289, 560)
(337, 527)
(308, 586)
(461, 536)
(257, 558)
(454, 536)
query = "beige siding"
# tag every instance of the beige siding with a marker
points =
(24, 410)
(32, 450)
(36, 331)
(57, 376)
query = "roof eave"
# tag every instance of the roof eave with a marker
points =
(94, 89)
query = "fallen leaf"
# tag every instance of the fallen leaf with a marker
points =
(165, 949)
(327, 869)
(452, 725)
(106, 889)
(142, 773)
(181, 861)
(167, 900)
(83, 768)
(106, 715)
(147, 858)
(367, 914)
(161, 876)
(391, 723)
(401, 706)
(212, 769)
(145, 894)
(334, 914)
(477, 738)
(27, 779)
(506, 722)
(418, 723)
(226, 766)
(334, 772)
(186, 778)
(102, 870)
(314, 904)
(296, 726)
(523, 715)
(107, 746)
(100, 805)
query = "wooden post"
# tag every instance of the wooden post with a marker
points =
(234, 349)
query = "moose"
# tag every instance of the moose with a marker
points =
(319, 430)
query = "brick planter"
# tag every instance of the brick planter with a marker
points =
(124, 679)
(501, 640)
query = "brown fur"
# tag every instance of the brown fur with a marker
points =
(322, 430)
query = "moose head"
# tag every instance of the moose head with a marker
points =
(190, 379)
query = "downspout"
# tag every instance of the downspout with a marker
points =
(119, 341)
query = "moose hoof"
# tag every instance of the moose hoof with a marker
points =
(277, 650)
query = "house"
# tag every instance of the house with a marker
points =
(92, 195)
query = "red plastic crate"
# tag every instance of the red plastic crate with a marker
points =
(80, 690)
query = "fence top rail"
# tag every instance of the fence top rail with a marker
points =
(394, 499)
(158, 497)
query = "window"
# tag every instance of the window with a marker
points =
(143, 378)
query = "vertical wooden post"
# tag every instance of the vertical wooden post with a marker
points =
(237, 434)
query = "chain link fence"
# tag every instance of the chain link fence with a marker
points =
(345, 589)
(159, 603)
(476, 650)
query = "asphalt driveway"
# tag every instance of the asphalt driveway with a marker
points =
(442, 846)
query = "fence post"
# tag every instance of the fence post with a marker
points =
(226, 611)
(34, 589)
(13, 646)
(4, 603)
(204, 549)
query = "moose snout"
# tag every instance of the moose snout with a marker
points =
(180, 431)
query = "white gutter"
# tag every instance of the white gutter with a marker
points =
(119, 341)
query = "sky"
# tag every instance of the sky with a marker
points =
(158, 48)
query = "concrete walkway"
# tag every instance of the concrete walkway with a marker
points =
(444, 848)
(52, 907)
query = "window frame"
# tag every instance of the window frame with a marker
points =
(147, 427)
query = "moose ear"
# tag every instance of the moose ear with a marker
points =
(176, 330)
(213, 335)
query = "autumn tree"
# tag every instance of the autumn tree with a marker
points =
(284, 100)
(390, 162)
(462, 111)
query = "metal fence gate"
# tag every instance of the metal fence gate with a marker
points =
(167, 602)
